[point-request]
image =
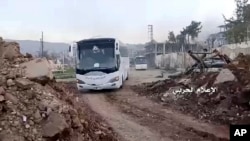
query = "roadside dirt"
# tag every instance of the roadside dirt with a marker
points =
(135, 117)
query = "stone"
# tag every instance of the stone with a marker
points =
(37, 68)
(2, 98)
(2, 80)
(23, 83)
(27, 126)
(2, 91)
(4, 136)
(10, 82)
(11, 98)
(202, 101)
(76, 122)
(10, 51)
(54, 125)
(184, 81)
(34, 131)
(225, 75)
(37, 115)
(11, 75)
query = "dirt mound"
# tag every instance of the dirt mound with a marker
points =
(35, 110)
(9, 50)
(221, 97)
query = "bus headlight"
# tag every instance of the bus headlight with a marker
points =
(114, 79)
(80, 81)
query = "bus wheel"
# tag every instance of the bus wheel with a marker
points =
(127, 77)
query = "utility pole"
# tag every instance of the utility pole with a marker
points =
(247, 32)
(42, 47)
(63, 60)
(150, 32)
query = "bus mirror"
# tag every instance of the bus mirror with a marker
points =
(72, 49)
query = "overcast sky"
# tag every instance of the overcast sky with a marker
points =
(68, 20)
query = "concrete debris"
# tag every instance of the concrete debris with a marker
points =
(35, 108)
(38, 70)
(224, 96)
(54, 125)
(224, 76)
(2, 98)
(23, 83)
(2, 91)
(10, 137)
(9, 50)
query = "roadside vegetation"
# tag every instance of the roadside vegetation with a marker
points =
(66, 74)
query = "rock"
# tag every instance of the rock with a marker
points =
(34, 131)
(23, 83)
(29, 55)
(38, 69)
(76, 122)
(37, 115)
(4, 136)
(11, 75)
(10, 82)
(11, 98)
(184, 81)
(27, 126)
(2, 98)
(202, 101)
(2, 91)
(2, 80)
(10, 50)
(54, 125)
(224, 76)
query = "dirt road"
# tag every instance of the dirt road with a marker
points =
(136, 118)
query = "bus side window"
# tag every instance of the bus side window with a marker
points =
(69, 48)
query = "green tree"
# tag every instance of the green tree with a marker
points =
(171, 37)
(192, 30)
(180, 39)
(238, 25)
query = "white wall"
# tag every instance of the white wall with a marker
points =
(176, 60)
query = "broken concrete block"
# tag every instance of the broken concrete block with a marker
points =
(225, 75)
(23, 83)
(11, 98)
(37, 68)
(54, 125)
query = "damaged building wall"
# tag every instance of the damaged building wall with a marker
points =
(176, 60)
(173, 60)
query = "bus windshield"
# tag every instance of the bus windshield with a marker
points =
(95, 56)
(140, 60)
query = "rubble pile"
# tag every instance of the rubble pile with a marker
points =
(33, 107)
(220, 97)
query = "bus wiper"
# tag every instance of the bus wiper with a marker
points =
(104, 67)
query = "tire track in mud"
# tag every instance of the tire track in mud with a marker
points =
(164, 124)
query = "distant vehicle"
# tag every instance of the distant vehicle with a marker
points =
(141, 63)
(101, 63)
(214, 63)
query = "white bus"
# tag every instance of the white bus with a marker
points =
(101, 63)
(141, 63)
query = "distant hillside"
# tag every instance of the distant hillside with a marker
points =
(30, 46)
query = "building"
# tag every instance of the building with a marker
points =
(218, 39)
